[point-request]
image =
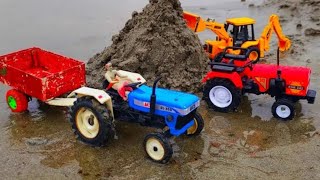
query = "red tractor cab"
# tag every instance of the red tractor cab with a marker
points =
(234, 75)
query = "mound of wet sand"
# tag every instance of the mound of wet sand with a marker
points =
(155, 42)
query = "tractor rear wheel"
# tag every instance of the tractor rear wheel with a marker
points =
(91, 122)
(17, 101)
(158, 147)
(221, 95)
(197, 126)
(283, 109)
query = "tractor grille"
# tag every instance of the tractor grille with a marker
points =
(183, 120)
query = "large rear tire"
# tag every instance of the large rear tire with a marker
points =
(91, 122)
(158, 148)
(197, 126)
(221, 95)
(17, 101)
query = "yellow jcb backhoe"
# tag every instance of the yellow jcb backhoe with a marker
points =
(241, 35)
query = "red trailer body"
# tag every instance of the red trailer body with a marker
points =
(41, 74)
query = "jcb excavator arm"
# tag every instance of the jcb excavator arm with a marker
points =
(197, 24)
(283, 42)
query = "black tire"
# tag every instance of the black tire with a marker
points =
(157, 147)
(283, 109)
(254, 50)
(98, 114)
(217, 83)
(197, 127)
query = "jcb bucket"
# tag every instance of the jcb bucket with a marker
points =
(194, 22)
(284, 44)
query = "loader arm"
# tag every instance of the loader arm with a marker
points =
(197, 24)
(284, 43)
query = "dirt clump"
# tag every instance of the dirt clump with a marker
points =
(155, 42)
(312, 32)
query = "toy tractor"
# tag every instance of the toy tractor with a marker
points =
(47, 76)
(172, 111)
(235, 75)
(241, 35)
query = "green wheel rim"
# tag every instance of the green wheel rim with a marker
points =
(12, 102)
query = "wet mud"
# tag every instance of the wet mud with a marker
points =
(247, 144)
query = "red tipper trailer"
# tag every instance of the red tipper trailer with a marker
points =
(40, 74)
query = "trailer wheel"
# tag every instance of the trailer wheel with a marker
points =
(91, 122)
(17, 101)
(157, 147)
(221, 95)
(197, 127)
(283, 109)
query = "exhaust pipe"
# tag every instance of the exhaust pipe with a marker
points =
(153, 97)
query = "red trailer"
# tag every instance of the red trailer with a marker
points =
(38, 73)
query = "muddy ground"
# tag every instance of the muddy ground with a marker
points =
(247, 144)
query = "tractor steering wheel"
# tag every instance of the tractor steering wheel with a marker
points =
(249, 64)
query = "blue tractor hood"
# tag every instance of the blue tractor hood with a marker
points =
(167, 100)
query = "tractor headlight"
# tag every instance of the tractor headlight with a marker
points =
(170, 118)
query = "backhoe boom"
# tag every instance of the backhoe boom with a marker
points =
(274, 24)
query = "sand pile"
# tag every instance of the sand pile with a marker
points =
(155, 42)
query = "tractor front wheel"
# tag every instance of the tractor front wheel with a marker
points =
(283, 109)
(91, 122)
(17, 101)
(197, 126)
(221, 95)
(158, 147)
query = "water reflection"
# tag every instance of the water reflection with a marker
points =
(52, 138)
(250, 133)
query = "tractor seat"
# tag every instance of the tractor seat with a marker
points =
(223, 68)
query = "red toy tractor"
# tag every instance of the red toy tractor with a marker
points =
(235, 75)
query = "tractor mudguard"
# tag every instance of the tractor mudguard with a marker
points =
(234, 77)
(101, 96)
